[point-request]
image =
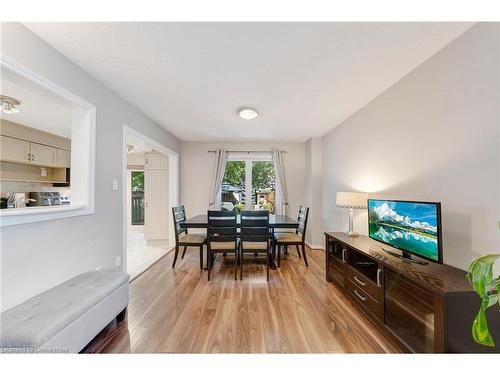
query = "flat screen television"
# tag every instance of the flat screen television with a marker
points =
(412, 227)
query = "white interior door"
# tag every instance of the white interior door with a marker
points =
(156, 202)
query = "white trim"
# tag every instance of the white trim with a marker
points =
(173, 197)
(315, 247)
(42, 81)
(83, 200)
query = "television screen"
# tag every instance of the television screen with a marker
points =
(413, 227)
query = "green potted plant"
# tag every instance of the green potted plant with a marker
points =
(480, 275)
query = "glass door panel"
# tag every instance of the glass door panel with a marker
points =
(263, 186)
(233, 186)
(137, 204)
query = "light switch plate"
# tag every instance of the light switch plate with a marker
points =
(115, 184)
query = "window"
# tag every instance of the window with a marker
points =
(249, 183)
(49, 160)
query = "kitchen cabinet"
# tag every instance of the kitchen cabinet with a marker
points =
(24, 150)
(43, 155)
(19, 151)
(15, 130)
(14, 150)
(63, 158)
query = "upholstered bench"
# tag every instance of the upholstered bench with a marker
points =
(67, 317)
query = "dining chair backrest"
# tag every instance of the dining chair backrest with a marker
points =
(255, 226)
(222, 226)
(179, 214)
(302, 220)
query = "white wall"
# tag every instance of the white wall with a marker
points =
(313, 198)
(433, 136)
(35, 257)
(197, 165)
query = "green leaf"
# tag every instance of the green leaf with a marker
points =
(480, 276)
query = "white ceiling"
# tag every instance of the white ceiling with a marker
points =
(39, 109)
(304, 78)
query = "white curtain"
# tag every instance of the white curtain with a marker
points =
(217, 177)
(281, 204)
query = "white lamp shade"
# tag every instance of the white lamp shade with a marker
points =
(351, 199)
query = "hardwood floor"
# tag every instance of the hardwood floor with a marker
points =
(179, 311)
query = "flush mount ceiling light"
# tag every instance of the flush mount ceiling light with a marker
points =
(247, 113)
(8, 104)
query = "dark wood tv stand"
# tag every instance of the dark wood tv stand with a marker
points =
(428, 308)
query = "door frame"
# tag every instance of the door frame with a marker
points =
(132, 135)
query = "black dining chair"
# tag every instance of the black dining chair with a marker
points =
(222, 237)
(183, 238)
(254, 236)
(298, 238)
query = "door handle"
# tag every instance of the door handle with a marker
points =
(343, 255)
(359, 281)
(359, 295)
(379, 273)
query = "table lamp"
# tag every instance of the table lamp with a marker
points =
(351, 200)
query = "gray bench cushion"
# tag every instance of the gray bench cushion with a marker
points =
(35, 321)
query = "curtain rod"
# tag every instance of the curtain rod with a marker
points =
(248, 151)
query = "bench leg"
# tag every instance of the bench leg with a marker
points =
(121, 315)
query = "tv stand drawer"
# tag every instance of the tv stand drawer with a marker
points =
(363, 298)
(363, 283)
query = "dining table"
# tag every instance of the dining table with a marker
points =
(275, 222)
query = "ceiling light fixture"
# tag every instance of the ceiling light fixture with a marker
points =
(8, 104)
(247, 113)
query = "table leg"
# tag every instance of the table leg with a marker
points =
(273, 253)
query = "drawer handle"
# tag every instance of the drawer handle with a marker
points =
(359, 281)
(343, 255)
(359, 296)
(379, 273)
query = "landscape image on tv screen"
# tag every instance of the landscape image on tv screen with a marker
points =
(405, 225)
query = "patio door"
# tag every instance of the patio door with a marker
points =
(249, 183)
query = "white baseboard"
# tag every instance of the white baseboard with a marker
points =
(315, 247)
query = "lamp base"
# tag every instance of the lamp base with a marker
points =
(352, 233)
